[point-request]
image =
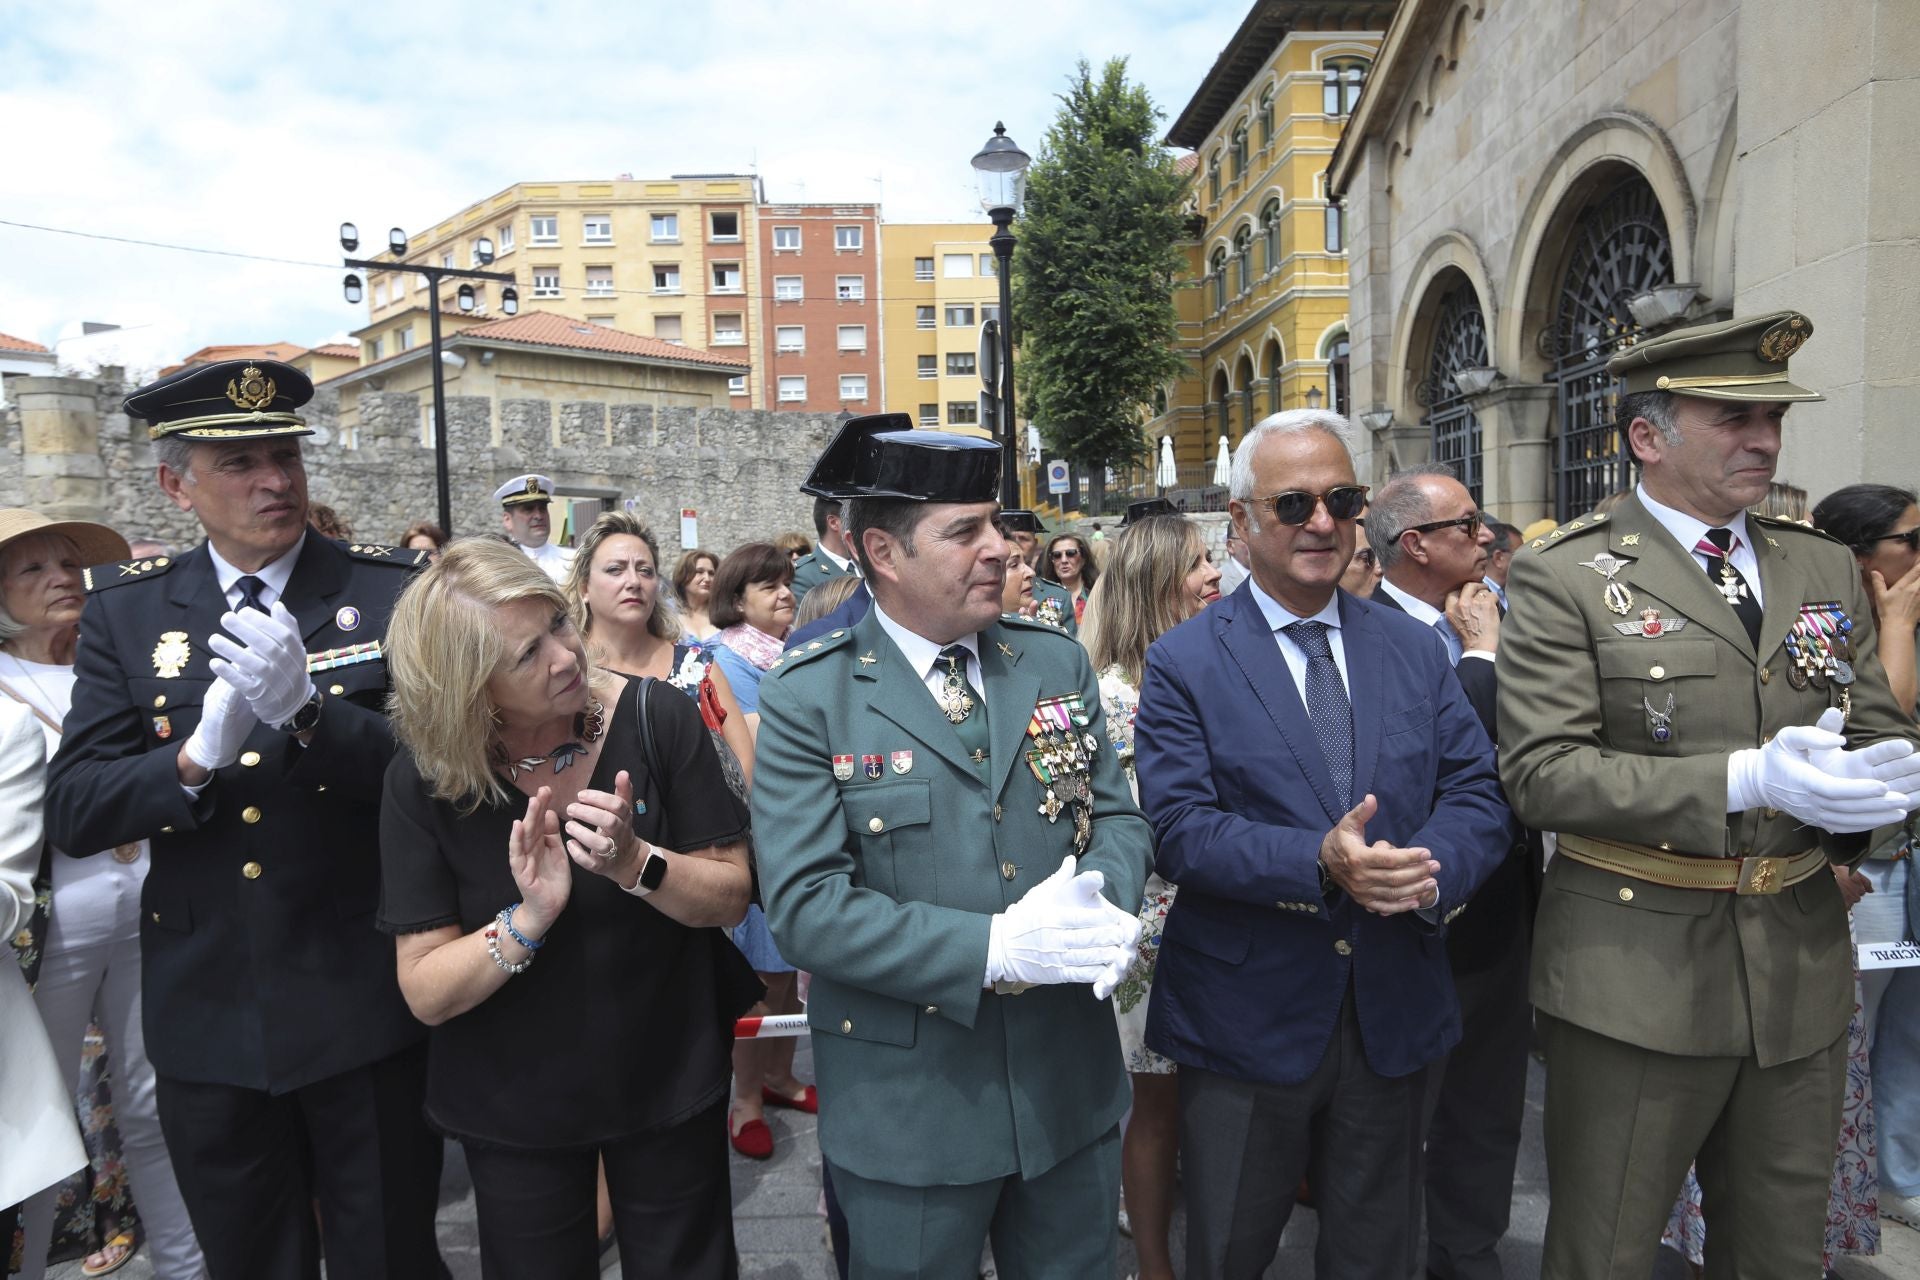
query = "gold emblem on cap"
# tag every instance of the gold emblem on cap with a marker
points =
(252, 391)
(1783, 339)
(172, 653)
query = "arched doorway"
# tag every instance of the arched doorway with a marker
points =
(1459, 343)
(1618, 247)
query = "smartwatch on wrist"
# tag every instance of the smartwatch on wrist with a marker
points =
(653, 873)
(306, 717)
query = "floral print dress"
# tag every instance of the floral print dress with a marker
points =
(1120, 700)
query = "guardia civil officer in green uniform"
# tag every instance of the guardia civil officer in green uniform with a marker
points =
(230, 705)
(1689, 695)
(829, 557)
(948, 845)
(1023, 530)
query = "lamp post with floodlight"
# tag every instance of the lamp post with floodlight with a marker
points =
(509, 305)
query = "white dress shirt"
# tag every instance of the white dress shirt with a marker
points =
(1278, 616)
(923, 655)
(273, 577)
(1688, 530)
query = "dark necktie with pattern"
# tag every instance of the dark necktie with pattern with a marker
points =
(1718, 547)
(1327, 706)
(250, 589)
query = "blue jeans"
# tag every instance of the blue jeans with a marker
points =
(1894, 1030)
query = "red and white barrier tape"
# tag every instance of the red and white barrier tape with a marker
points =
(779, 1024)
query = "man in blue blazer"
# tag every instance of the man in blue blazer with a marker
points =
(1326, 800)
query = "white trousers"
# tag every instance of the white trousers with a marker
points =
(90, 970)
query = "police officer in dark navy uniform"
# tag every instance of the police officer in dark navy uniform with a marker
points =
(229, 706)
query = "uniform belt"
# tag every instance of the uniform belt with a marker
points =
(1744, 876)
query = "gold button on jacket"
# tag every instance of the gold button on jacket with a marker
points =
(250, 870)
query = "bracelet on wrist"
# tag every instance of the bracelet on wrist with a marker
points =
(492, 935)
(506, 922)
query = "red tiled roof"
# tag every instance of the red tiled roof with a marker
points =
(338, 350)
(10, 343)
(543, 328)
(1187, 163)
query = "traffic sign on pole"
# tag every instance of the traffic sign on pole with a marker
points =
(1057, 477)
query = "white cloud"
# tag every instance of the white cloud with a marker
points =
(257, 128)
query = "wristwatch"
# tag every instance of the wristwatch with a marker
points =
(306, 717)
(653, 873)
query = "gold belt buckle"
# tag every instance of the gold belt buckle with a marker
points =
(1762, 876)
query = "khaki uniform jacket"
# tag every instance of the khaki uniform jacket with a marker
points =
(1679, 971)
(883, 887)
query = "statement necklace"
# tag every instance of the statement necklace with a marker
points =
(587, 727)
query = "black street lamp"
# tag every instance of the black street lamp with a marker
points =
(1000, 170)
(509, 304)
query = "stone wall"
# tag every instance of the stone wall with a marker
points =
(740, 469)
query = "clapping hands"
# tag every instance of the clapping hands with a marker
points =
(1383, 879)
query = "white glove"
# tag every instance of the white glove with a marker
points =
(1062, 931)
(268, 665)
(225, 722)
(1891, 762)
(1784, 775)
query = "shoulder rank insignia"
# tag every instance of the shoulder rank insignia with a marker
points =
(404, 556)
(112, 575)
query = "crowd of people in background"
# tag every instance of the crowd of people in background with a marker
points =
(546, 734)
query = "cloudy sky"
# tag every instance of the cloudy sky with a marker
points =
(258, 128)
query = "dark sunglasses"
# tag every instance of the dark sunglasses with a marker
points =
(1067, 553)
(1911, 537)
(1296, 506)
(1469, 524)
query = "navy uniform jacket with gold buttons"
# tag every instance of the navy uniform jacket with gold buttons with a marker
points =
(262, 966)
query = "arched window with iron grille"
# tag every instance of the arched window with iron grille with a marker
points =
(1618, 247)
(1340, 374)
(1219, 264)
(1270, 235)
(1242, 260)
(1459, 342)
(1266, 117)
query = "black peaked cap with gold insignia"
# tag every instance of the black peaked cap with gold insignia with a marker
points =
(1732, 360)
(1021, 521)
(225, 400)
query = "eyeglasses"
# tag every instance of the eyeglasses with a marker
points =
(1911, 537)
(1296, 506)
(1470, 525)
(1067, 553)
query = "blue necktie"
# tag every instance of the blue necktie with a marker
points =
(250, 588)
(1327, 706)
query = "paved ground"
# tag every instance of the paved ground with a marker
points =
(780, 1236)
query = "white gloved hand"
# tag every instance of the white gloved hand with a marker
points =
(1783, 775)
(225, 722)
(268, 664)
(1061, 931)
(1892, 762)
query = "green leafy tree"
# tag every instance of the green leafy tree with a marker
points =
(1094, 273)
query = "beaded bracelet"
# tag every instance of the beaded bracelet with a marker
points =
(492, 935)
(506, 919)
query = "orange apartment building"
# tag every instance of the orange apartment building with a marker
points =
(820, 306)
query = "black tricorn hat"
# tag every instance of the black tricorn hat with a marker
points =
(1138, 511)
(1019, 521)
(225, 400)
(882, 455)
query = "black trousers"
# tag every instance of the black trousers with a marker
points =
(1244, 1146)
(1475, 1102)
(251, 1166)
(672, 1206)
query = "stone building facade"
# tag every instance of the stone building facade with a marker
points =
(1530, 188)
(66, 449)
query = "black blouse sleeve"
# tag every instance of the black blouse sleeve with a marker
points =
(417, 889)
(697, 807)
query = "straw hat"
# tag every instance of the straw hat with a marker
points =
(97, 543)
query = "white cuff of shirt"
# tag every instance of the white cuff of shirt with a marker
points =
(1488, 654)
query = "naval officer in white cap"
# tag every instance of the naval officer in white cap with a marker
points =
(523, 514)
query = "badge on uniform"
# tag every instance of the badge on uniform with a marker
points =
(1616, 595)
(1660, 722)
(1049, 612)
(1061, 757)
(163, 725)
(903, 762)
(843, 768)
(347, 618)
(872, 766)
(172, 654)
(1651, 624)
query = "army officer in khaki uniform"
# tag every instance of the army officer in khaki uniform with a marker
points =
(948, 845)
(1662, 673)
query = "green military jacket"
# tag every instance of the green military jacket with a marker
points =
(1056, 606)
(883, 852)
(1583, 690)
(815, 568)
